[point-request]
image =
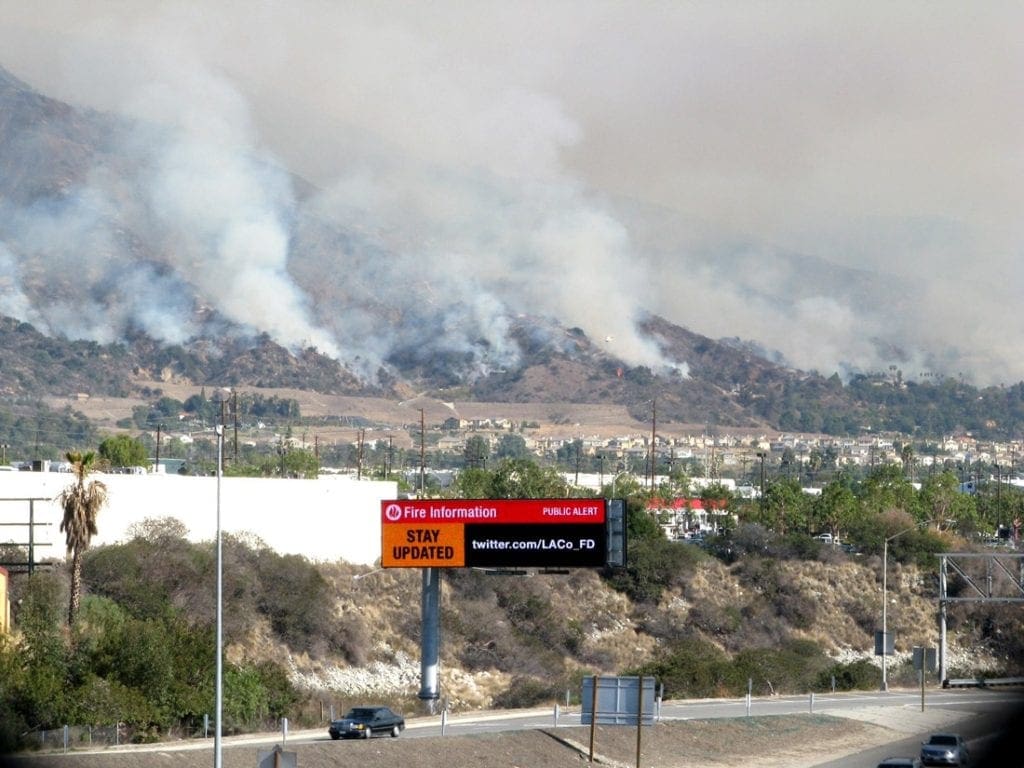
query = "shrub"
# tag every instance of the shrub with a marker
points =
(718, 620)
(857, 675)
(525, 692)
(693, 668)
(798, 546)
(791, 668)
(778, 589)
(654, 564)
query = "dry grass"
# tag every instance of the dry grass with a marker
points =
(558, 419)
(790, 741)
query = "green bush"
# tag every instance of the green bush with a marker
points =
(763, 575)
(694, 668)
(524, 692)
(791, 668)
(860, 675)
(653, 565)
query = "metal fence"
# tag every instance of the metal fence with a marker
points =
(69, 738)
(83, 736)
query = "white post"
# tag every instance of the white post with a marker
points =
(219, 706)
(885, 605)
(885, 601)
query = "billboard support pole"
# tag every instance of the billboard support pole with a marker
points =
(639, 714)
(593, 716)
(430, 643)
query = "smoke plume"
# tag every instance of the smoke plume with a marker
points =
(841, 185)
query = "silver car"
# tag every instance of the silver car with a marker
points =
(944, 749)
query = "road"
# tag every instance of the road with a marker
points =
(980, 715)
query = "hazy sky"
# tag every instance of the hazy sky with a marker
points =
(499, 142)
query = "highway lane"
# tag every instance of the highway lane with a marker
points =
(975, 712)
(981, 715)
(992, 725)
(839, 704)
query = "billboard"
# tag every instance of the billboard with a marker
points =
(493, 533)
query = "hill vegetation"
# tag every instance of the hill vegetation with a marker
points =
(726, 388)
(763, 601)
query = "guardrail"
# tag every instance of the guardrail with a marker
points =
(983, 682)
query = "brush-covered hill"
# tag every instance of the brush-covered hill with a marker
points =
(133, 253)
(788, 617)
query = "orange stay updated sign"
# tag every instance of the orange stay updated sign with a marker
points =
(423, 545)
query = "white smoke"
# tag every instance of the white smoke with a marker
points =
(13, 300)
(841, 184)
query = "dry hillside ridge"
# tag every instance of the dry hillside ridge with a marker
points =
(616, 636)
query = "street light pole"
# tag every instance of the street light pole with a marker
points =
(219, 705)
(885, 603)
(218, 755)
(761, 499)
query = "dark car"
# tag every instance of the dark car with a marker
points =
(364, 722)
(900, 762)
(944, 749)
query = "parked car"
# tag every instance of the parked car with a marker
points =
(900, 762)
(944, 749)
(364, 722)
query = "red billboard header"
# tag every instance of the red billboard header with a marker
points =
(483, 511)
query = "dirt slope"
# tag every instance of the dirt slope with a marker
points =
(791, 741)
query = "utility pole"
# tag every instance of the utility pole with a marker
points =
(578, 444)
(156, 466)
(223, 421)
(360, 434)
(654, 432)
(761, 456)
(423, 454)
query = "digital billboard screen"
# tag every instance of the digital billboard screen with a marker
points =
(493, 533)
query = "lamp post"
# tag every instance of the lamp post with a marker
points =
(218, 756)
(885, 602)
(217, 751)
(615, 481)
(761, 455)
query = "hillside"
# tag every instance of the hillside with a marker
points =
(117, 281)
(785, 614)
(347, 632)
(499, 632)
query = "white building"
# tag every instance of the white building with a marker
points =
(327, 519)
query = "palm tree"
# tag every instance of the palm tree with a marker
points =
(81, 502)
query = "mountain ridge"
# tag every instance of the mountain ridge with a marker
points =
(103, 288)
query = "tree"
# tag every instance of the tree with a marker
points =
(81, 503)
(785, 506)
(511, 447)
(477, 451)
(472, 483)
(523, 479)
(907, 458)
(836, 508)
(886, 489)
(944, 505)
(124, 451)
